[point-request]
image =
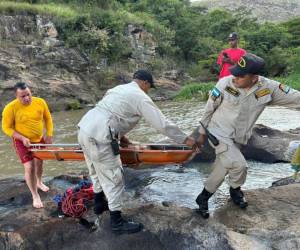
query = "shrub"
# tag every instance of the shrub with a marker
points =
(195, 90)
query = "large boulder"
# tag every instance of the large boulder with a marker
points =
(270, 145)
(265, 145)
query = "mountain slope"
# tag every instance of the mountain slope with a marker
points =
(264, 10)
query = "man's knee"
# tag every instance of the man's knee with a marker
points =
(213, 182)
(239, 167)
(238, 174)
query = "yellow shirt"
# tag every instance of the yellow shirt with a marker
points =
(27, 120)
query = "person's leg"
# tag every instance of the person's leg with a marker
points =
(30, 176)
(110, 173)
(214, 180)
(217, 176)
(100, 201)
(109, 176)
(237, 176)
(31, 181)
(38, 166)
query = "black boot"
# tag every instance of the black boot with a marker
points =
(100, 203)
(202, 201)
(238, 198)
(120, 225)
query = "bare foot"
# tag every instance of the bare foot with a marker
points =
(37, 203)
(43, 187)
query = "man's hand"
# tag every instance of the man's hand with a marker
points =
(48, 139)
(227, 60)
(23, 139)
(26, 142)
(191, 142)
(201, 140)
(124, 142)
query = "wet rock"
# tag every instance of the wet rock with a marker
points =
(265, 145)
(166, 227)
(271, 221)
(270, 145)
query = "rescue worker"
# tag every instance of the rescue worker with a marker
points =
(234, 105)
(115, 115)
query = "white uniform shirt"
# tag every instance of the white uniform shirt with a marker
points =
(230, 112)
(120, 109)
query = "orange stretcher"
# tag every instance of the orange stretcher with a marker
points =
(151, 154)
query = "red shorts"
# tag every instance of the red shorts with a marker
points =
(23, 152)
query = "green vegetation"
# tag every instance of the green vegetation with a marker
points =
(292, 80)
(43, 9)
(188, 36)
(200, 91)
(74, 105)
(195, 90)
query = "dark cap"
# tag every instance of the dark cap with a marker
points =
(248, 64)
(145, 76)
(233, 36)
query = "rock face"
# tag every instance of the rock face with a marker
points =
(267, 10)
(271, 221)
(265, 145)
(30, 51)
(142, 43)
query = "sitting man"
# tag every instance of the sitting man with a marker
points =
(233, 107)
(99, 131)
(23, 119)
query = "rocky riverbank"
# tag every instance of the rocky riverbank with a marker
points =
(270, 222)
(31, 51)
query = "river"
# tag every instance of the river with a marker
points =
(165, 183)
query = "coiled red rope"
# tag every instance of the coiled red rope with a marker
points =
(75, 202)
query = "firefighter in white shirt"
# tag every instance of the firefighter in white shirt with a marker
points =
(115, 115)
(233, 107)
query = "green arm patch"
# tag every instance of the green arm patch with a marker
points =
(232, 91)
(284, 88)
(215, 93)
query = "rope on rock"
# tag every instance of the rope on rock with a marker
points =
(74, 201)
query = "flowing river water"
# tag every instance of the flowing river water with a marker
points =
(180, 185)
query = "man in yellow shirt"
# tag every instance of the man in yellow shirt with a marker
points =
(24, 120)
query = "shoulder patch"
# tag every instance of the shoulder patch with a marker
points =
(262, 92)
(284, 88)
(232, 91)
(215, 93)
